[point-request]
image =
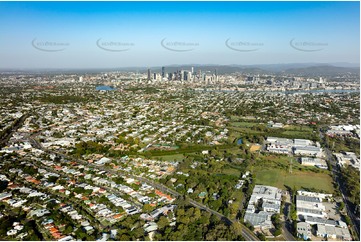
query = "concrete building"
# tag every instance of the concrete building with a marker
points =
(302, 142)
(347, 158)
(309, 206)
(331, 232)
(317, 162)
(308, 151)
(270, 197)
(304, 230)
(259, 220)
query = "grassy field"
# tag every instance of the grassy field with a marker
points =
(289, 131)
(298, 128)
(243, 124)
(245, 130)
(238, 118)
(299, 179)
(296, 133)
(177, 157)
(231, 171)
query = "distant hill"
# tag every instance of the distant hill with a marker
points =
(221, 69)
(302, 69)
(323, 70)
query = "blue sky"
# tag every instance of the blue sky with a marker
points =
(30, 29)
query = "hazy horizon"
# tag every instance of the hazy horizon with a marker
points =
(310, 64)
(90, 35)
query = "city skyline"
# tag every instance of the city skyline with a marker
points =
(126, 34)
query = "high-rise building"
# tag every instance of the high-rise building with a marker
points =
(186, 76)
(155, 76)
(163, 71)
(149, 74)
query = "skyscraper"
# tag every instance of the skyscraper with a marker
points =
(163, 71)
(186, 76)
(149, 74)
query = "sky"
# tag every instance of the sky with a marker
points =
(128, 34)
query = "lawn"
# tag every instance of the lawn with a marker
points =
(177, 157)
(245, 130)
(298, 128)
(243, 124)
(289, 131)
(231, 171)
(238, 118)
(299, 179)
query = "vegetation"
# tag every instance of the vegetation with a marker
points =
(300, 180)
(89, 147)
(216, 179)
(291, 132)
(194, 224)
(339, 144)
(276, 221)
(350, 178)
(62, 99)
(277, 173)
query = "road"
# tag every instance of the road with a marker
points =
(336, 175)
(15, 126)
(246, 233)
(286, 233)
(286, 226)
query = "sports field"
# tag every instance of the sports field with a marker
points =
(298, 179)
(177, 157)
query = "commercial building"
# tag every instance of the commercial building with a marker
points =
(304, 230)
(308, 150)
(347, 158)
(310, 206)
(270, 198)
(317, 162)
(311, 212)
(331, 232)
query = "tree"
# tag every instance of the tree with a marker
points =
(277, 232)
(233, 208)
(124, 237)
(3, 185)
(236, 228)
(197, 213)
(185, 220)
(249, 225)
(68, 229)
(261, 236)
(180, 212)
(276, 221)
(348, 220)
(137, 234)
(162, 222)
(52, 179)
(342, 206)
(147, 208)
